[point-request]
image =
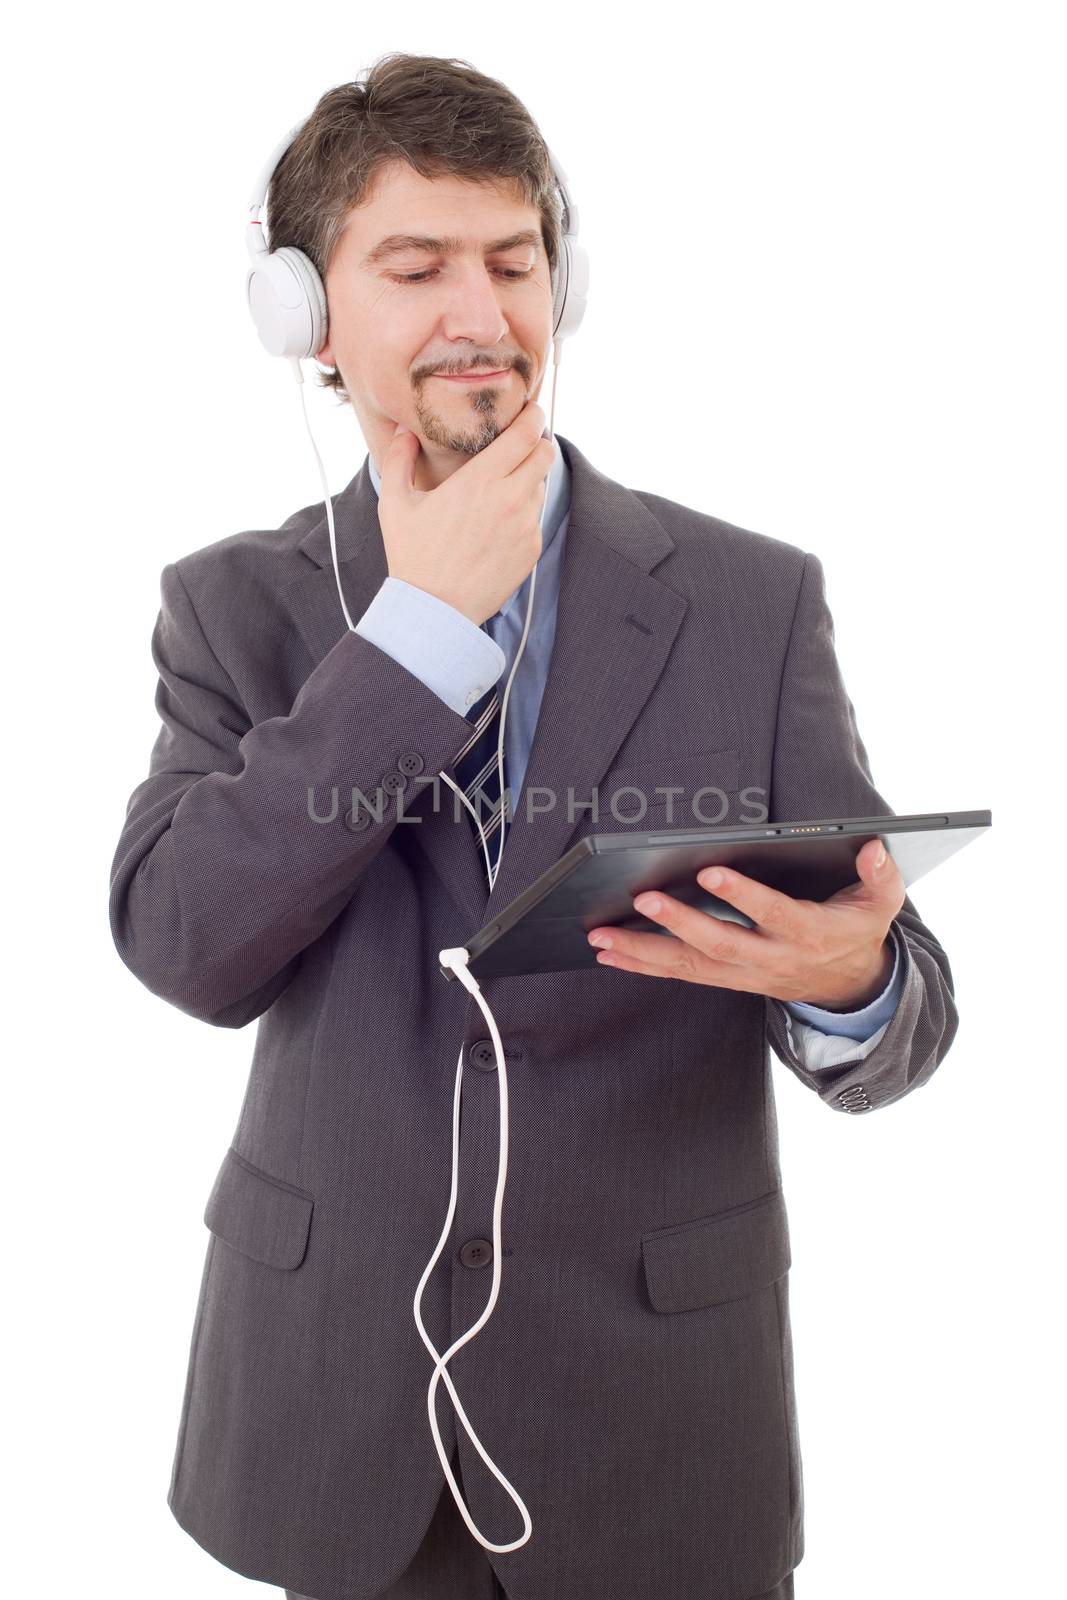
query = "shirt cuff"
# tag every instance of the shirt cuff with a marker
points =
(857, 1025)
(448, 652)
(819, 1051)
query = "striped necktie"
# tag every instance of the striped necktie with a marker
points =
(478, 774)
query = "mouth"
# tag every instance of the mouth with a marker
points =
(477, 375)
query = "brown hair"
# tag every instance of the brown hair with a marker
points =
(439, 115)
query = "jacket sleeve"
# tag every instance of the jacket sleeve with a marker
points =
(223, 873)
(821, 769)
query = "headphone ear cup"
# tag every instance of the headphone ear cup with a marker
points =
(572, 288)
(287, 300)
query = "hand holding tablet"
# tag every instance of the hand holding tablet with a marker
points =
(810, 864)
(834, 953)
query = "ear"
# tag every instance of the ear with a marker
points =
(326, 355)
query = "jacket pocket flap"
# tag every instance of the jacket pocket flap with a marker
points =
(261, 1216)
(718, 1258)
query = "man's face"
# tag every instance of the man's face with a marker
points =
(403, 319)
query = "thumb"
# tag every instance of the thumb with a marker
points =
(876, 866)
(398, 467)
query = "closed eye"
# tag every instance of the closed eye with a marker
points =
(424, 277)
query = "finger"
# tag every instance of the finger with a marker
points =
(880, 888)
(713, 936)
(774, 912)
(538, 464)
(877, 869)
(613, 958)
(656, 951)
(398, 463)
(511, 447)
(686, 965)
(720, 941)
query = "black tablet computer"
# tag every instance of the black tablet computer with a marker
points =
(545, 929)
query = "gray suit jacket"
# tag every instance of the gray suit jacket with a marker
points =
(635, 1381)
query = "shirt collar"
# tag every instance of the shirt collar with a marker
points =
(557, 503)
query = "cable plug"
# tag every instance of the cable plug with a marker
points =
(454, 963)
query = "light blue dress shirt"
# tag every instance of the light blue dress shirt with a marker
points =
(459, 661)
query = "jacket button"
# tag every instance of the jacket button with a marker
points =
(476, 1253)
(482, 1055)
(411, 763)
(356, 820)
(394, 782)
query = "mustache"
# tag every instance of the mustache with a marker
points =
(522, 365)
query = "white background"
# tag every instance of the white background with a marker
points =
(826, 305)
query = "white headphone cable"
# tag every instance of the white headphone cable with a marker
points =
(457, 959)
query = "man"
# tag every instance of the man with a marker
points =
(635, 1380)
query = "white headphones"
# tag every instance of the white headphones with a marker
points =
(287, 299)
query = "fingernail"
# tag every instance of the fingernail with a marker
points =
(712, 879)
(650, 903)
(603, 940)
(879, 860)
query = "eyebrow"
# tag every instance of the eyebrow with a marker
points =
(398, 243)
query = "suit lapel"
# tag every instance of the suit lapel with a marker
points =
(615, 625)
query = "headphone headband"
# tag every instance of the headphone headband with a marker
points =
(257, 245)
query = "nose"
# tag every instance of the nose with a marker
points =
(473, 309)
